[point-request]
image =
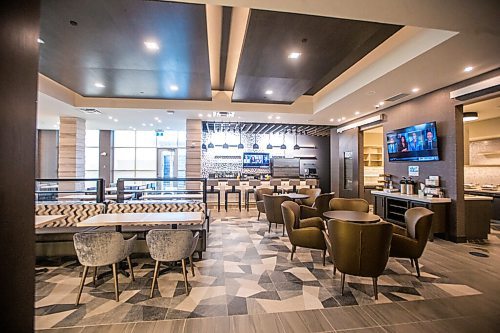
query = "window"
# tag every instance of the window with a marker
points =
(91, 153)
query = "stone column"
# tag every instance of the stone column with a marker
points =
(71, 150)
(193, 150)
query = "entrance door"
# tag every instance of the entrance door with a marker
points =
(351, 177)
(167, 165)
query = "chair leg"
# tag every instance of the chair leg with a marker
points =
(342, 281)
(417, 267)
(258, 217)
(411, 261)
(293, 251)
(115, 278)
(239, 201)
(82, 283)
(184, 273)
(283, 229)
(95, 276)
(269, 227)
(225, 201)
(324, 257)
(155, 274)
(191, 263)
(375, 290)
(218, 202)
(334, 270)
(129, 262)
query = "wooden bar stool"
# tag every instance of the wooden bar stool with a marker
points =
(212, 190)
(233, 183)
(293, 183)
(254, 183)
(312, 183)
(275, 183)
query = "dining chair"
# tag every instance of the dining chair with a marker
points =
(212, 183)
(95, 249)
(410, 242)
(360, 249)
(253, 183)
(312, 193)
(171, 246)
(356, 205)
(321, 205)
(273, 209)
(304, 233)
(259, 199)
(233, 183)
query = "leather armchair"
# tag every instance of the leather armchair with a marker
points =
(259, 199)
(357, 205)
(272, 203)
(360, 249)
(321, 205)
(304, 233)
(312, 193)
(410, 242)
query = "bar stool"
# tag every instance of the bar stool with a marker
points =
(275, 183)
(312, 183)
(233, 183)
(293, 183)
(254, 183)
(212, 190)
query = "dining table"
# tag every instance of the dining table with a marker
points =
(44, 220)
(295, 196)
(351, 216)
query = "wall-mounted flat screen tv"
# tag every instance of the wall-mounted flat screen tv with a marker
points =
(414, 143)
(256, 160)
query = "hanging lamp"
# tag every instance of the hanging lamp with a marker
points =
(240, 145)
(255, 145)
(283, 146)
(269, 145)
(296, 147)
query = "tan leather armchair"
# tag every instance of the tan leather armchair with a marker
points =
(360, 249)
(272, 203)
(321, 205)
(304, 233)
(410, 242)
(312, 193)
(259, 199)
(357, 205)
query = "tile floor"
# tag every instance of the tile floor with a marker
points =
(247, 283)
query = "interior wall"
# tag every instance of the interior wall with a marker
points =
(484, 129)
(18, 93)
(373, 139)
(47, 153)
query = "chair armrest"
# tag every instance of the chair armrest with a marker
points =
(404, 247)
(308, 212)
(129, 245)
(312, 222)
(196, 236)
(398, 230)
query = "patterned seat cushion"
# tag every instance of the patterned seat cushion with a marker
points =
(75, 212)
(156, 207)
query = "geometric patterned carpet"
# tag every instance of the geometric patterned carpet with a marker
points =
(244, 271)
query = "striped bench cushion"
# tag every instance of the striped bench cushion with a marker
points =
(155, 207)
(75, 212)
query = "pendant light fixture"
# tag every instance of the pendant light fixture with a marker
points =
(283, 146)
(210, 144)
(269, 145)
(225, 145)
(296, 147)
(240, 145)
(204, 146)
(255, 145)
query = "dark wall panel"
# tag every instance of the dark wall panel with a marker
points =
(18, 93)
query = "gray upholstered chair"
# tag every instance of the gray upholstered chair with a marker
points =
(293, 183)
(360, 249)
(313, 193)
(171, 246)
(321, 205)
(276, 183)
(95, 249)
(273, 209)
(259, 199)
(357, 205)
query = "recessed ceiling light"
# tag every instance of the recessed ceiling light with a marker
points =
(99, 85)
(269, 117)
(151, 125)
(339, 120)
(209, 115)
(294, 55)
(109, 117)
(153, 46)
(468, 69)
(130, 127)
(40, 41)
(168, 127)
(173, 87)
(55, 126)
(58, 123)
(331, 119)
(170, 112)
(414, 90)
(200, 115)
(115, 120)
(278, 117)
(159, 121)
(156, 118)
(356, 113)
(343, 118)
(143, 124)
(381, 103)
(269, 92)
(133, 128)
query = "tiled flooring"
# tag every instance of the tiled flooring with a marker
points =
(247, 283)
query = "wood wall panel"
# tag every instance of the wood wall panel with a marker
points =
(193, 149)
(71, 149)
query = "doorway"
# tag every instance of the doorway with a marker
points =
(373, 161)
(167, 165)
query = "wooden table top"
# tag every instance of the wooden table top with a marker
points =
(43, 220)
(123, 219)
(351, 216)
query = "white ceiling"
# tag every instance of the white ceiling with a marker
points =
(486, 109)
(477, 44)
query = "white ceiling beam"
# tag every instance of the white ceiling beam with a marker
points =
(214, 31)
(239, 21)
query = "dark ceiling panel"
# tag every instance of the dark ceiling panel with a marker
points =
(328, 47)
(107, 46)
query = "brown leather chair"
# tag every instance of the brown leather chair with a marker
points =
(357, 205)
(360, 249)
(312, 193)
(321, 205)
(304, 233)
(272, 203)
(410, 242)
(259, 199)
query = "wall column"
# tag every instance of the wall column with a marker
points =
(71, 149)
(193, 149)
(106, 160)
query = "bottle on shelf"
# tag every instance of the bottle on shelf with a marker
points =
(402, 185)
(410, 185)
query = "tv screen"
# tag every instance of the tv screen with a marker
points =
(255, 160)
(415, 143)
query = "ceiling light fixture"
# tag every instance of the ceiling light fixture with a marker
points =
(278, 117)
(296, 147)
(331, 120)
(381, 103)
(173, 87)
(200, 115)
(203, 146)
(99, 85)
(170, 112)
(294, 55)
(343, 118)
(153, 46)
(115, 120)
(269, 117)
(468, 69)
(470, 116)
(255, 145)
(339, 120)
(268, 92)
(209, 115)
(143, 124)
(110, 118)
(210, 145)
(415, 90)
(151, 125)
(168, 127)
(356, 113)
(156, 118)
(283, 146)
(240, 145)
(159, 121)
(40, 41)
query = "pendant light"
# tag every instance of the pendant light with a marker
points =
(240, 145)
(225, 145)
(283, 146)
(255, 145)
(296, 147)
(204, 146)
(269, 145)
(210, 144)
